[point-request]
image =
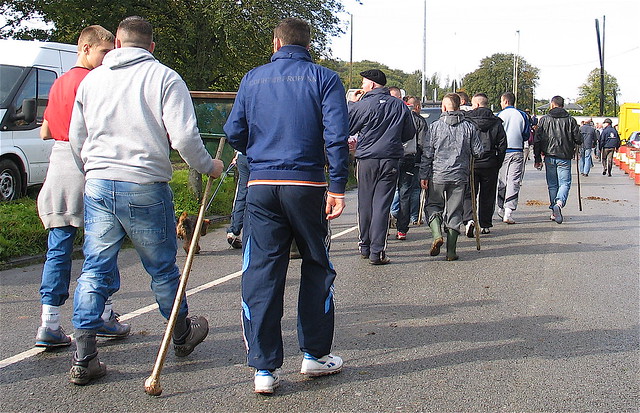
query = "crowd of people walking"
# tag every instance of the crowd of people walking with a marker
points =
(121, 103)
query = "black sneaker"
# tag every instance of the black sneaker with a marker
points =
(234, 240)
(83, 371)
(198, 330)
(381, 260)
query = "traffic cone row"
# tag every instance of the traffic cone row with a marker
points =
(628, 159)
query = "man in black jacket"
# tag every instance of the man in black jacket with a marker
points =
(382, 123)
(494, 142)
(557, 136)
(609, 143)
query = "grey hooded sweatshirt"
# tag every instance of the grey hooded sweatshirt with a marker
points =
(448, 147)
(128, 113)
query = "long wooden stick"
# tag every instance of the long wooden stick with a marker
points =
(578, 169)
(474, 206)
(152, 384)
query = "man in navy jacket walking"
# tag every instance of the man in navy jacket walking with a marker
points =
(383, 123)
(289, 118)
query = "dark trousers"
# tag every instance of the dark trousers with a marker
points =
(274, 217)
(607, 159)
(377, 180)
(237, 215)
(406, 175)
(486, 183)
(449, 197)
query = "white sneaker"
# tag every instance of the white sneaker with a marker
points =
(266, 381)
(501, 212)
(322, 366)
(508, 219)
(469, 229)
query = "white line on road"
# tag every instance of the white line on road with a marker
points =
(37, 350)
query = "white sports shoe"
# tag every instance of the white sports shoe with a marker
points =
(266, 381)
(314, 367)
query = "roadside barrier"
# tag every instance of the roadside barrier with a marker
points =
(616, 158)
(624, 160)
(637, 171)
(632, 164)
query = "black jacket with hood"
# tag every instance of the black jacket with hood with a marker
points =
(383, 123)
(557, 135)
(492, 135)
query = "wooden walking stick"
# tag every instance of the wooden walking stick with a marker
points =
(474, 206)
(578, 169)
(152, 384)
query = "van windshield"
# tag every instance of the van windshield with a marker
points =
(9, 76)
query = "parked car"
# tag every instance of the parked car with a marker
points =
(27, 71)
(431, 114)
(634, 140)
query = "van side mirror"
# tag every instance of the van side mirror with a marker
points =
(28, 114)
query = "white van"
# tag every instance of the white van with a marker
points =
(27, 71)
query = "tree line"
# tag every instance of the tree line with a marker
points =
(213, 43)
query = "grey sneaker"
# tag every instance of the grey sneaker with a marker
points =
(83, 371)
(49, 338)
(198, 330)
(114, 328)
(557, 213)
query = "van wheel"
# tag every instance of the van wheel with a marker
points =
(10, 180)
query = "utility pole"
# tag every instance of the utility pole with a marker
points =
(351, 53)
(516, 59)
(601, 56)
(424, 55)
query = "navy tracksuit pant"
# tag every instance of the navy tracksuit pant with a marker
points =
(274, 216)
(377, 181)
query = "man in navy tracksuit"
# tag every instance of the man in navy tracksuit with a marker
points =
(290, 116)
(382, 123)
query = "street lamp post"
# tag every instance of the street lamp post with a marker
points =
(516, 59)
(424, 55)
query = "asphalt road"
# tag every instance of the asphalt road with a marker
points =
(545, 317)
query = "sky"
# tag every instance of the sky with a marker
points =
(556, 36)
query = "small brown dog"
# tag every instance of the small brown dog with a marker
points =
(185, 227)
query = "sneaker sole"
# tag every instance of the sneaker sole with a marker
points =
(52, 345)
(81, 381)
(321, 372)
(558, 214)
(267, 390)
(112, 335)
(435, 247)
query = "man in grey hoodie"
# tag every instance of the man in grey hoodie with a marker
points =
(126, 116)
(444, 171)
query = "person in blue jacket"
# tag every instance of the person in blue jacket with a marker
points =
(290, 119)
(383, 123)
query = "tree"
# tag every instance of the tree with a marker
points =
(211, 43)
(589, 94)
(410, 82)
(495, 76)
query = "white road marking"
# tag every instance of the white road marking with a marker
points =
(37, 350)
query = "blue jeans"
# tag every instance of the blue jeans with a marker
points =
(237, 216)
(56, 273)
(113, 209)
(558, 173)
(585, 163)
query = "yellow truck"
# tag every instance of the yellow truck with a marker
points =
(629, 120)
